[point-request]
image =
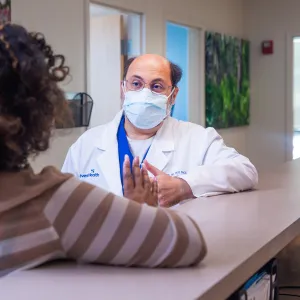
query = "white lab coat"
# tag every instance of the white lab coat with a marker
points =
(181, 149)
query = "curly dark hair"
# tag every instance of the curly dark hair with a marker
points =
(31, 103)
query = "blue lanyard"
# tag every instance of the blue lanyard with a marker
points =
(124, 148)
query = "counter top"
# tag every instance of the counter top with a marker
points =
(243, 231)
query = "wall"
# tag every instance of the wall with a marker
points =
(220, 15)
(270, 107)
(64, 24)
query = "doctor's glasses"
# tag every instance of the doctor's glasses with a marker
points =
(137, 84)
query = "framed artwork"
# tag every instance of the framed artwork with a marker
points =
(5, 11)
(227, 81)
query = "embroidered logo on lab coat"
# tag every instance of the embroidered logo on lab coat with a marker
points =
(91, 174)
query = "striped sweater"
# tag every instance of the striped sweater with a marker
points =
(51, 215)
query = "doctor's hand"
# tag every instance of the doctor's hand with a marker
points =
(171, 190)
(137, 184)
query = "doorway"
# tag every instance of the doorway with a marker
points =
(296, 97)
(183, 48)
(114, 36)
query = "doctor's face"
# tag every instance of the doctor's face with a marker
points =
(153, 72)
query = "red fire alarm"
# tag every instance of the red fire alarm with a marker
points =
(267, 47)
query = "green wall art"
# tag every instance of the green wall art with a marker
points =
(227, 80)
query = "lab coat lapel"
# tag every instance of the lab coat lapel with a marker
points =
(108, 160)
(162, 147)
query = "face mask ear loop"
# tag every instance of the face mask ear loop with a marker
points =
(171, 92)
(124, 93)
(123, 87)
(169, 109)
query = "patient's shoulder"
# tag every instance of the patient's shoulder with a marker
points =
(49, 178)
(52, 173)
(67, 182)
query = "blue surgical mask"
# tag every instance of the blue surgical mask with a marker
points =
(144, 109)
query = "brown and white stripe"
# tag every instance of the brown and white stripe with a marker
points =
(79, 221)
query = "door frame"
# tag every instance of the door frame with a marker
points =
(196, 86)
(289, 93)
(86, 11)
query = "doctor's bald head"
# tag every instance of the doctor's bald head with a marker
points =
(153, 65)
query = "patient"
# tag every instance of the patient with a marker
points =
(52, 215)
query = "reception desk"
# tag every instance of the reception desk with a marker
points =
(243, 231)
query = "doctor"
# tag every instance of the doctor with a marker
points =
(185, 159)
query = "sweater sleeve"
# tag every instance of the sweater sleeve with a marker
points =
(95, 226)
